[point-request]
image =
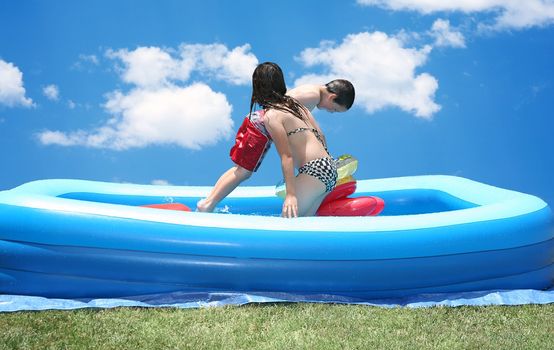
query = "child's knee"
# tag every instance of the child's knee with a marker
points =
(243, 173)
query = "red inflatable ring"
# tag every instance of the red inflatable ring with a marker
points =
(341, 191)
(360, 206)
(168, 206)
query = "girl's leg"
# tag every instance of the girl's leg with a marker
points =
(225, 185)
(315, 207)
(310, 192)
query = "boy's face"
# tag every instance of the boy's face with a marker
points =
(330, 105)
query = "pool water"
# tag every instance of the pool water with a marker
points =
(405, 202)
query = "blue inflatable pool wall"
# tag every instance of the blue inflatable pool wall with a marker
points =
(73, 239)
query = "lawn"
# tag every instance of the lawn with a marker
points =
(283, 326)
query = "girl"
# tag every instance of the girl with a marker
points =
(299, 144)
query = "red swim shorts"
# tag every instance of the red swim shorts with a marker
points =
(250, 146)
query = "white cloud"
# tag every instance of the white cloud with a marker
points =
(525, 14)
(160, 108)
(89, 58)
(445, 36)
(190, 117)
(510, 14)
(150, 66)
(12, 92)
(429, 6)
(381, 69)
(59, 138)
(52, 92)
(154, 67)
(86, 62)
(234, 66)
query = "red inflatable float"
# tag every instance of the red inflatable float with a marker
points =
(337, 203)
(168, 206)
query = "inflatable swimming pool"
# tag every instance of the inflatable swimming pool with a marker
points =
(72, 238)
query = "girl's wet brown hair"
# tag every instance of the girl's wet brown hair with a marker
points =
(269, 89)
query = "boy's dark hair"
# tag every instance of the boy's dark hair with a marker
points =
(344, 91)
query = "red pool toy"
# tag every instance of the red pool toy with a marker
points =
(341, 191)
(359, 206)
(337, 203)
(168, 206)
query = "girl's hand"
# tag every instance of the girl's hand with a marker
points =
(290, 207)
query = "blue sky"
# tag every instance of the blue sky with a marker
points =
(152, 92)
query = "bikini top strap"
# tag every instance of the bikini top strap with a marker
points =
(299, 130)
(316, 134)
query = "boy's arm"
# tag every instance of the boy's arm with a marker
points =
(316, 126)
(309, 96)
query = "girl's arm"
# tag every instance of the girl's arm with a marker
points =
(275, 127)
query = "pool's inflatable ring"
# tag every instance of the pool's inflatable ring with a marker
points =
(86, 239)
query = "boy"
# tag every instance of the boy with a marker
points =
(335, 96)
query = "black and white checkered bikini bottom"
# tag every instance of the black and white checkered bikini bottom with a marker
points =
(324, 169)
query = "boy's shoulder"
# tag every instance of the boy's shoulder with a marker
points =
(309, 95)
(312, 89)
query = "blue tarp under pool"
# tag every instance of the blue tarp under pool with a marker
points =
(11, 303)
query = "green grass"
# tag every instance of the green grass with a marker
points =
(283, 326)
